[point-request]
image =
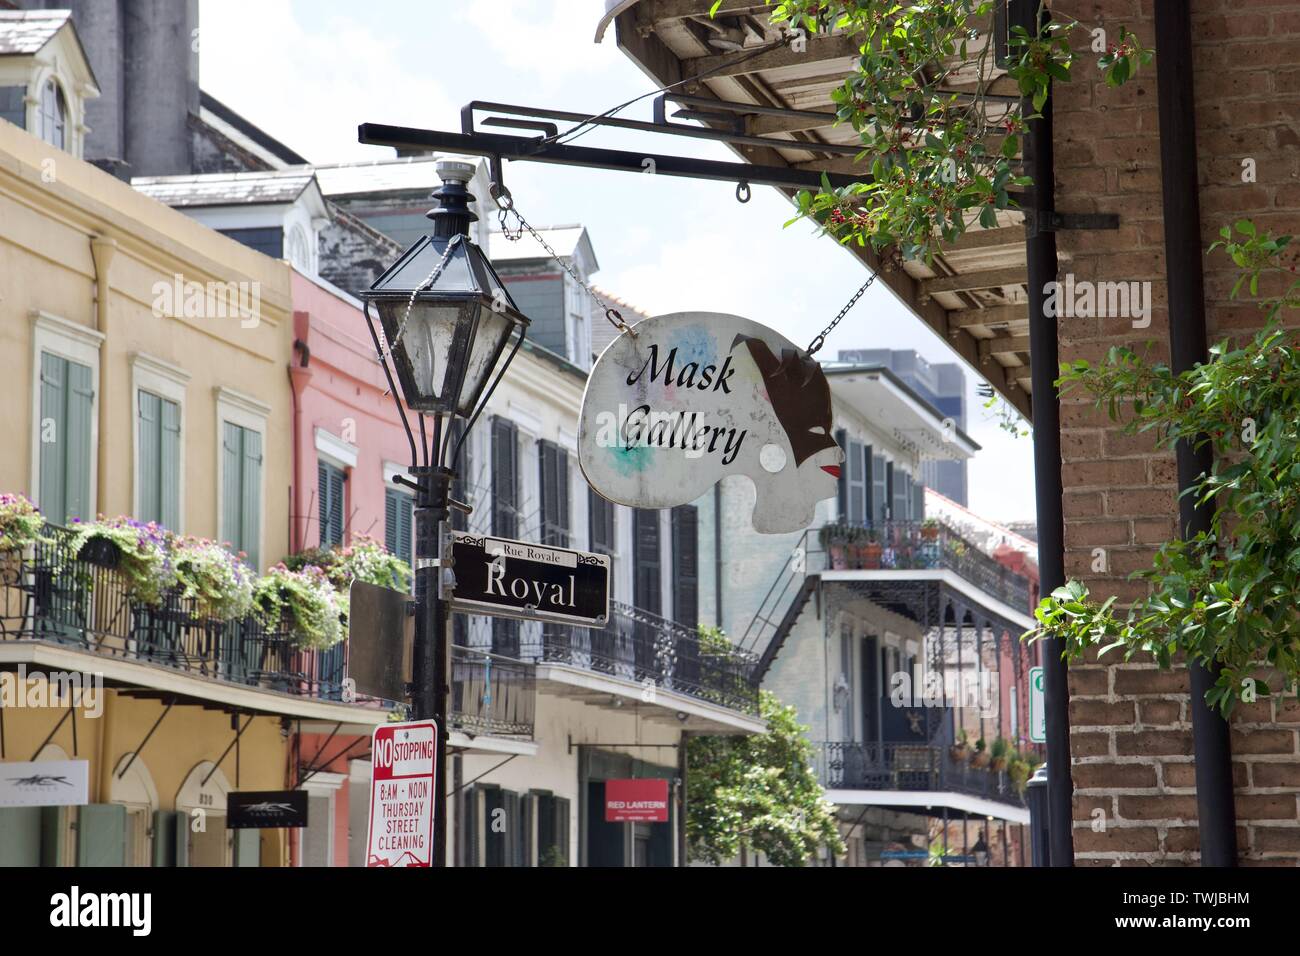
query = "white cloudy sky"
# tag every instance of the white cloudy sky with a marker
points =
(309, 71)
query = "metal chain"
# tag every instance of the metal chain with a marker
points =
(508, 209)
(429, 280)
(818, 342)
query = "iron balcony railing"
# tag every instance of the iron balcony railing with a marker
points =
(491, 694)
(915, 545)
(651, 651)
(47, 594)
(925, 767)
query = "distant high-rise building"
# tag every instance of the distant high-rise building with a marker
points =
(943, 385)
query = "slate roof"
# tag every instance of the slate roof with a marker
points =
(227, 189)
(23, 32)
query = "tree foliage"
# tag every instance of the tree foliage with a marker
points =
(1227, 597)
(938, 160)
(759, 793)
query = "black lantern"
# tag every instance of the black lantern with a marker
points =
(445, 314)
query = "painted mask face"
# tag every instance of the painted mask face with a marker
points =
(697, 396)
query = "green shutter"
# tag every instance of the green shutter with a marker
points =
(54, 834)
(251, 523)
(52, 430)
(81, 409)
(169, 466)
(101, 835)
(181, 829)
(20, 836)
(391, 520)
(232, 452)
(164, 837)
(149, 466)
(248, 848)
(329, 481)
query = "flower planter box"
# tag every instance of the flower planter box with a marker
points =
(100, 552)
(871, 556)
(839, 557)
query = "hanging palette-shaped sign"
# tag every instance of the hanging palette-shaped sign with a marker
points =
(693, 397)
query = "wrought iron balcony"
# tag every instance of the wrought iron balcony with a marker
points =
(924, 767)
(48, 595)
(491, 694)
(915, 545)
(646, 649)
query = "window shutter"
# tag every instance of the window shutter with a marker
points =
(251, 490)
(686, 569)
(562, 492)
(169, 471)
(248, 848)
(842, 483)
(868, 486)
(505, 478)
(892, 512)
(164, 838)
(553, 467)
(562, 828)
(901, 495)
(391, 519)
(647, 561)
(181, 825)
(232, 453)
(101, 835)
(918, 501)
(879, 500)
(54, 414)
(81, 404)
(150, 464)
(857, 483)
(331, 482)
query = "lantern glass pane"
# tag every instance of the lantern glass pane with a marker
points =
(427, 341)
(493, 329)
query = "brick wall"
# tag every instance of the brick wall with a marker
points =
(1131, 725)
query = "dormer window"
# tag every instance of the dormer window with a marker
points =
(52, 123)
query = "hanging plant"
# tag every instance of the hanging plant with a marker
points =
(21, 523)
(368, 561)
(305, 598)
(139, 551)
(934, 162)
(1227, 597)
(215, 579)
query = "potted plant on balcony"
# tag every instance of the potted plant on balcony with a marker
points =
(304, 600)
(961, 750)
(140, 551)
(929, 529)
(215, 579)
(1000, 754)
(981, 757)
(872, 551)
(20, 526)
(832, 539)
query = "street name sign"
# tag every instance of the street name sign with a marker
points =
(508, 578)
(46, 783)
(403, 794)
(1037, 710)
(684, 400)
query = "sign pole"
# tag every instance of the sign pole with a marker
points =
(429, 660)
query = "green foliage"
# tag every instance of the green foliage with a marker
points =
(758, 792)
(309, 601)
(1226, 597)
(20, 523)
(365, 560)
(218, 582)
(144, 552)
(938, 162)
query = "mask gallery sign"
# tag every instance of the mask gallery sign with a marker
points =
(696, 396)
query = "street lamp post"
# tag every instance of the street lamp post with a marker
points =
(445, 318)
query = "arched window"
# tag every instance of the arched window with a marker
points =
(53, 119)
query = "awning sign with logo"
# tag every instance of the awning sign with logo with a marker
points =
(684, 400)
(636, 801)
(265, 809)
(46, 783)
(403, 794)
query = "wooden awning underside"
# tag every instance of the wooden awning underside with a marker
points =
(974, 295)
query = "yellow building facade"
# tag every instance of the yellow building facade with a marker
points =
(143, 363)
